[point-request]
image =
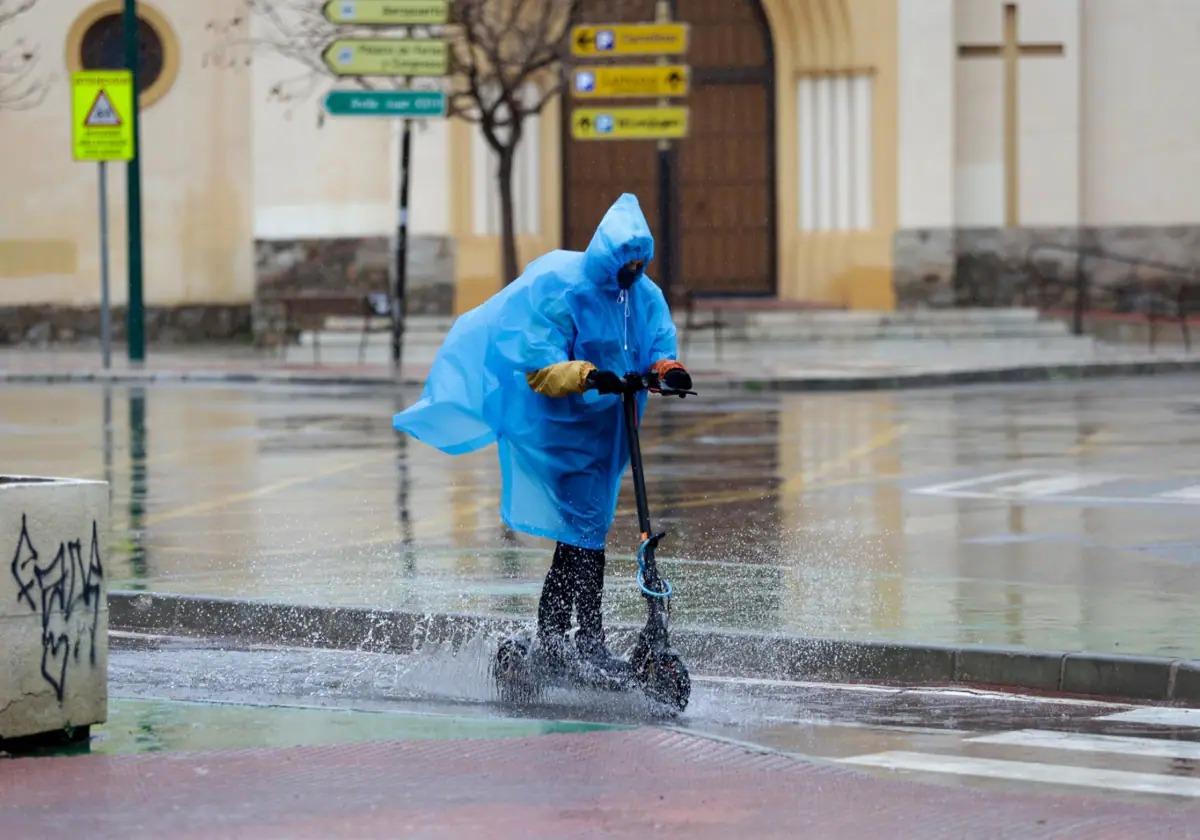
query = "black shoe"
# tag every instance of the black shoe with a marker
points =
(592, 650)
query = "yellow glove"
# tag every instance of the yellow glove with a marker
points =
(561, 379)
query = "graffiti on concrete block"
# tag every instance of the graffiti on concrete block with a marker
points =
(65, 590)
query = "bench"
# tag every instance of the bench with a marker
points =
(311, 312)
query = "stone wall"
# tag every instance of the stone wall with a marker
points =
(48, 323)
(940, 267)
(352, 266)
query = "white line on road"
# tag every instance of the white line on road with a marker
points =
(1037, 487)
(1191, 494)
(1083, 742)
(1158, 716)
(945, 489)
(1027, 771)
(995, 696)
(874, 727)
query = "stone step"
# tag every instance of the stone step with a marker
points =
(802, 326)
(898, 332)
(913, 317)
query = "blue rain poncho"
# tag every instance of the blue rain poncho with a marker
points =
(561, 459)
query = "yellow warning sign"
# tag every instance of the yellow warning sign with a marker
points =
(101, 115)
(629, 123)
(603, 40)
(632, 80)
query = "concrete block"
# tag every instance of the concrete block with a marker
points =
(53, 605)
(1186, 687)
(1116, 676)
(1001, 666)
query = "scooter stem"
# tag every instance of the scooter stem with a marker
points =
(635, 461)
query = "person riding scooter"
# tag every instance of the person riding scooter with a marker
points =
(539, 369)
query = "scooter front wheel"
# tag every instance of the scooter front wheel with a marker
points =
(515, 684)
(665, 679)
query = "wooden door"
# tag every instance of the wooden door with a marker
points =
(723, 196)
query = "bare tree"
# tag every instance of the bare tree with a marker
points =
(21, 86)
(506, 64)
(508, 58)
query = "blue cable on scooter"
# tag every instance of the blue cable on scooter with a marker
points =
(641, 579)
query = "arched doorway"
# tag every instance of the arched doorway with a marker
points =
(723, 206)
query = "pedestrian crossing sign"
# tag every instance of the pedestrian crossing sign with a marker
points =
(102, 112)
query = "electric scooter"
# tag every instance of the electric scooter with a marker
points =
(522, 671)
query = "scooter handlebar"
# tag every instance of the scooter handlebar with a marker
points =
(637, 382)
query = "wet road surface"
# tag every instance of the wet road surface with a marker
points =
(1058, 516)
(983, 740)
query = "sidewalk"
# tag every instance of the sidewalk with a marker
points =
(755, 365)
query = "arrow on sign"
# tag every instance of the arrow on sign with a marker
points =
(675, 80)
(585, 124)
(584, 40)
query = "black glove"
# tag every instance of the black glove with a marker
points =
(606, 382)
(677, 379)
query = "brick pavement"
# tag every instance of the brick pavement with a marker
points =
(607, 784)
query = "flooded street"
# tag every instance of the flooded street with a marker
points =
(190, 694)
(1049, 516)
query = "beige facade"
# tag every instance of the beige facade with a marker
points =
(882, 124)
(197, 173)
(1104, 122)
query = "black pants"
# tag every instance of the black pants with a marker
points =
(576, 579)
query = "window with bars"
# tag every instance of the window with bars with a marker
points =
(834, 115)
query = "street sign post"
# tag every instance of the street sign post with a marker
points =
(410, 104)
(637, 80)
(629, 39)
(388, 12)
(102, 130)
(629, 123)
(387, 57)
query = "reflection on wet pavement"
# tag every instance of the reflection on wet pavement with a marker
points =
(1050, 516)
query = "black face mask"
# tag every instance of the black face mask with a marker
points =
(626, 276)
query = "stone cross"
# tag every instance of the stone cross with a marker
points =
(1011, 51)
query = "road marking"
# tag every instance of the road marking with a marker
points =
(1042, 486)
(1083, 742)
(1053, 485)
(1028, 771)
(1191, 494)
(256, 493)
(862, 688)
(948, 488)
(1158, 716)
(874, 727)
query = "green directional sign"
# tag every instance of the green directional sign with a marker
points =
(387, 12)
(410, 104)
(387, 57)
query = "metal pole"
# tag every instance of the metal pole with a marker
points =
(105, 312)
(665, 11)
(401, 249)
(135, 323)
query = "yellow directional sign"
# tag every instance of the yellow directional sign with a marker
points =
(603, 40)
(387, 12)
(387, 57)
(629, 123)
(632, 80)
(102, 114)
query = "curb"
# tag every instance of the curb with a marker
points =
(724, 654)
(933, 379)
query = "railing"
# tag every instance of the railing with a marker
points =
(1172, 293)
